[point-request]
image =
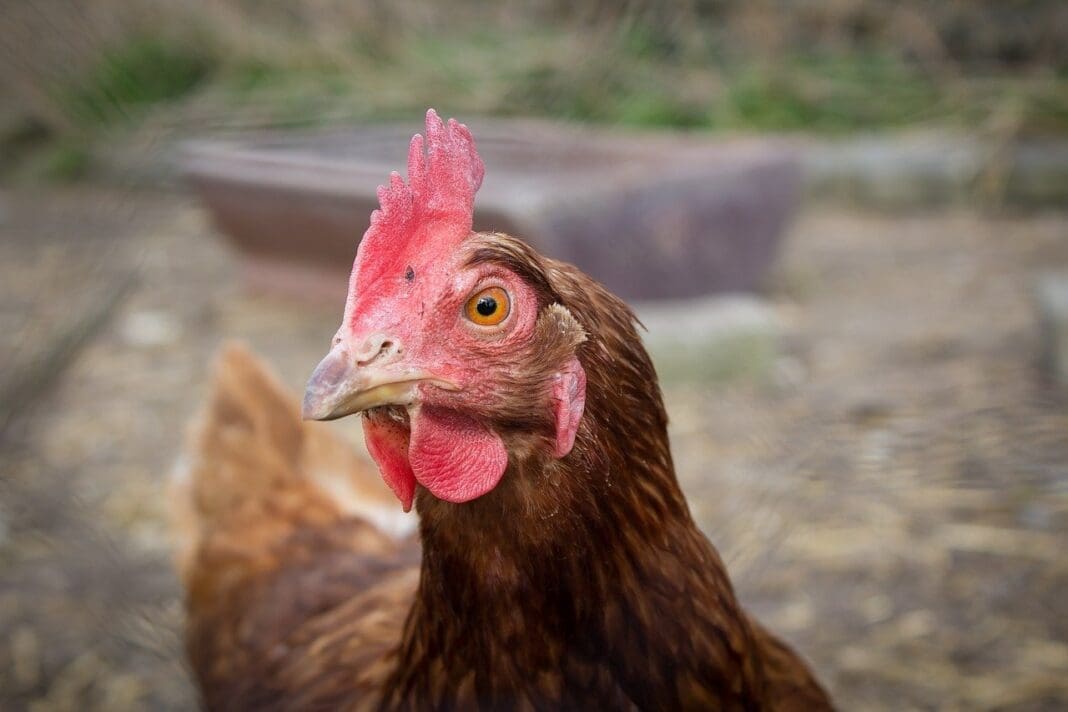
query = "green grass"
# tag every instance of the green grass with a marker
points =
(629, 75)
(65, 162)
(114, 92)
(830, 95)
(633, 82)
(132, 76)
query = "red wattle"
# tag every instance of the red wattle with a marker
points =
(454, 456)
(387, 441)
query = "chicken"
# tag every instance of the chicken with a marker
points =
(509, 398)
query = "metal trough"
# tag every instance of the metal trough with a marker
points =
(651, 216)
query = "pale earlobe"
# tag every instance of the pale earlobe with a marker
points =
(569, 396)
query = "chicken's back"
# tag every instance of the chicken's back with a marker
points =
(294, 598)
(790, 684)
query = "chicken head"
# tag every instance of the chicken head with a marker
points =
(451, 347)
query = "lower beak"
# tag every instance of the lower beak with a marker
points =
(338, 387)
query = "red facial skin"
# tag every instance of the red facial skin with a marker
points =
(425, 315)
(453, 454)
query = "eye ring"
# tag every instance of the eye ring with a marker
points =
(488, 307)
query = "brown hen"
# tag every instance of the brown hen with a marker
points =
(510, 397)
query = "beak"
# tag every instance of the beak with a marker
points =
(338, 387)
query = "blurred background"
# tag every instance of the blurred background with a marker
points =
(865, 365)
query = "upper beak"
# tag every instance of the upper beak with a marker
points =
(338, 387)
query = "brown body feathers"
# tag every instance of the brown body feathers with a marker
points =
(579, 583)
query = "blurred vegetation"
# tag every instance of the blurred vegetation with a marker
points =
(79, 75)
(137, 73)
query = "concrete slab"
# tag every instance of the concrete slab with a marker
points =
(714, 339)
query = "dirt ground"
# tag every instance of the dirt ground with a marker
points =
(894, 501)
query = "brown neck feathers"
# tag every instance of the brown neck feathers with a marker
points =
(572, 574)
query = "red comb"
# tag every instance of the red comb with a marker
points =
(439, 194)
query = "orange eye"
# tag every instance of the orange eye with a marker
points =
(489, 307)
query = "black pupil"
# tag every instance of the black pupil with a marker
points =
(486, 306)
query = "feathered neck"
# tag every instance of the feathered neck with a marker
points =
(556, 564)
(617, 486)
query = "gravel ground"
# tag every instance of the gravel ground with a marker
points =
(894, 502)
